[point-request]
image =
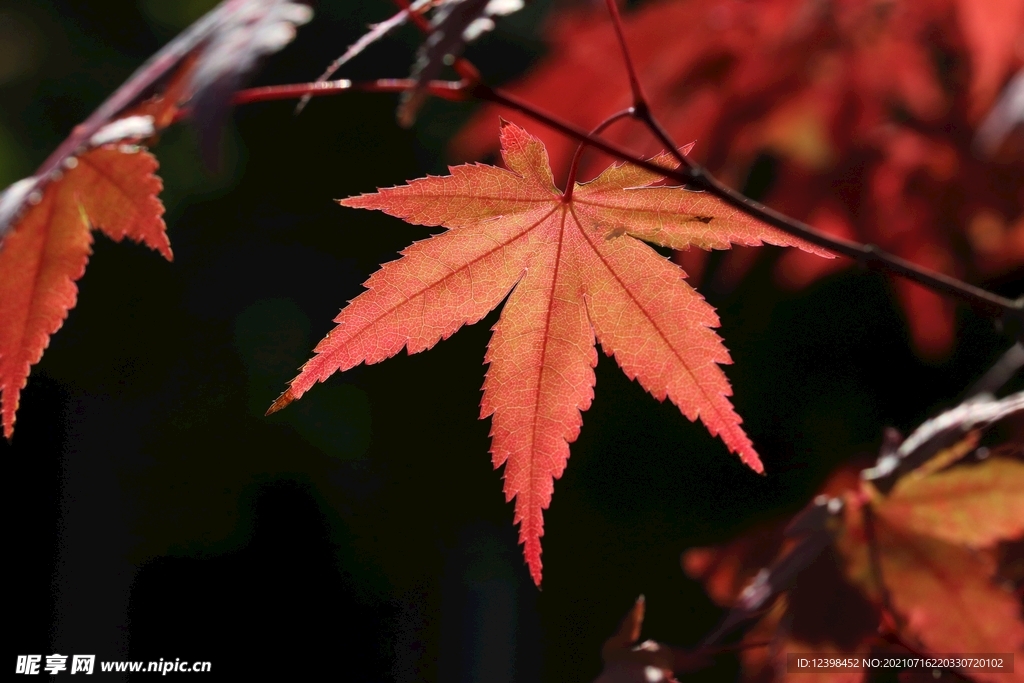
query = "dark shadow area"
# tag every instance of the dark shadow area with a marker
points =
(279, 607)
(33, 512)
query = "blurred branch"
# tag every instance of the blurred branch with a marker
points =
(447, 90)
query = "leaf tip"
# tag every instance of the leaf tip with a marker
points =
(534, 564)
(535, 573)
(507, 128)
(753, 462)
(281, 403)
(8, 421)
(360, 201)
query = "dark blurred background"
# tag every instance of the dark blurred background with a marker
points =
(362, 534)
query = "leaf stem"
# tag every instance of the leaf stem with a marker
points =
(570, 181)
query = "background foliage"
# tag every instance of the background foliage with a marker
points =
(156, 513)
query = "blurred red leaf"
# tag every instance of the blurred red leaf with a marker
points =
(870, 108)
(970, 506)
(946, 594)
(937, 554)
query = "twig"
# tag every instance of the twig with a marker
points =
(692, 174)
(641, 109)
(422, 24)
(892, 635)
(639, 101)
(999, 374)
(447, 90)
(867, 254)
(377, 31)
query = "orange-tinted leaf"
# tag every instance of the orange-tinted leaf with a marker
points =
(948, 546)
(949, 436)
(946, 594)
(973, 506)
(88, 181)
(785, 586)
(113, 189)
(165, 107)
(727, 569)
(577, 272)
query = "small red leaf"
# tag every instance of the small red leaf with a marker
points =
(109, 188)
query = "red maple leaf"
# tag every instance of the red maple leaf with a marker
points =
(93, 180)
(870, 108)
(107, 188)
(577, 271)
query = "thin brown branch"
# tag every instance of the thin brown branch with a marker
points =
(376, 32)
(692, 174)
(447, 90)
(641, 110)
(639, 100)
(867, 254)
(653, 125)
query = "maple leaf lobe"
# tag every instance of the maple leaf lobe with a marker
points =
(568, 286)
(109, 189)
